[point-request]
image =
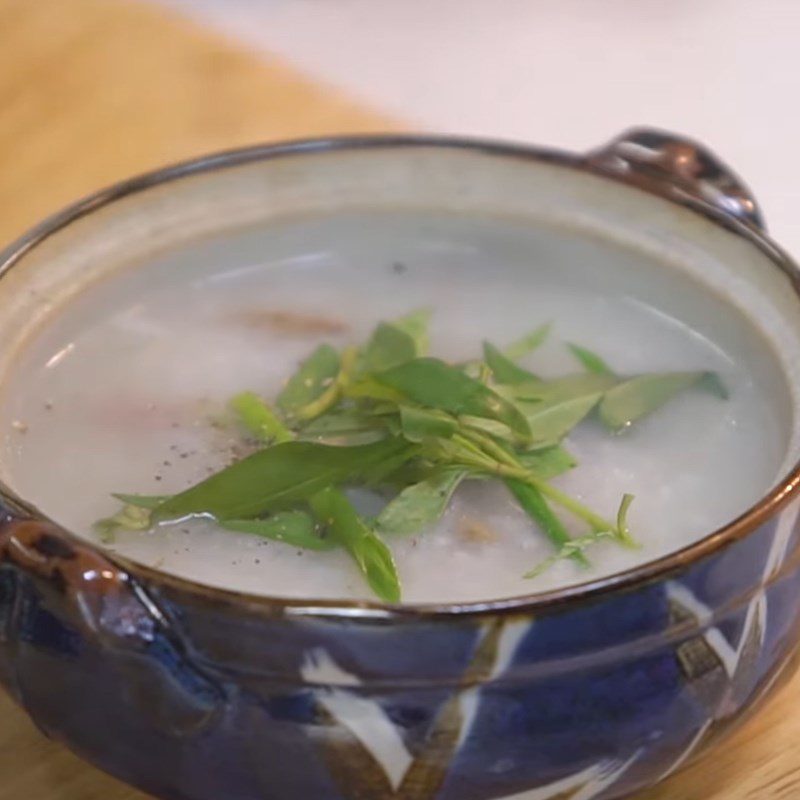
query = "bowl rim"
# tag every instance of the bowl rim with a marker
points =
(770, 503)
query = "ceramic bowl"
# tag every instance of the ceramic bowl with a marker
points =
(588, 693)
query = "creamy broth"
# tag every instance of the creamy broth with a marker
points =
(118, 391)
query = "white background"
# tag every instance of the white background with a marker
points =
(570, 73)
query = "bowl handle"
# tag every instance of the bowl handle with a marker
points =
(672, 165)
(45, 573)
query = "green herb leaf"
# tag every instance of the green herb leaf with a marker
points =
(712, 383)
(638, 397)
(372, 556)
(416, 325)
(437, 425)
(295, 528)
(623, 531)
(554, 408)
(591, 361)
(434, 384)
(547, 463)
(370, 389)
(570, 387)
(570, 504)
(408, 473)
(421, 504)
(129, 518)
(574, 548)
(418, 424)
(388, 347)
(315, 378)
(340, 423)
(279, 476)
(503, 368)
(258, 418)
(537, 508)
(498, 430)
(554, 420)
(384, 472)
(148, 501)
(528, 343)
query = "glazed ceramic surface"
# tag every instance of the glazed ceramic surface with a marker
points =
(588, 693)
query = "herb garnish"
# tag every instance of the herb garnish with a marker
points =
(390, 417)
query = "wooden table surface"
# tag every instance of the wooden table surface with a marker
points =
(94, 90)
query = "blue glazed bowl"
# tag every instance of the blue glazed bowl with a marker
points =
(589, 693)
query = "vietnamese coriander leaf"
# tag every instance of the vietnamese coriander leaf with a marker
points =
(128, 518)
(388, 346)
(550, 462)
(278, 477)
(497, 430)
(712, 383)
(551, 421)
(555, 407)
(432, 383)
(135, 515)
(537, 508)
(385, 470)
(395, 342)
(528, 343)
(407, 474)
(503, 368)
(418, 424)
(638, 397)
(420, 504)
(567, 388)
(485, 456)
(574, 548)
(591, 361)
(416, 325)
(295, 528)
(623, 532)
(313, 387)
(258, 418)
(344, 427)
(338, 423)
(368, 389)
(428, 426)
(148, 501)
(373, 558)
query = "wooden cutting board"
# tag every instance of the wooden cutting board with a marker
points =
(94, 90)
